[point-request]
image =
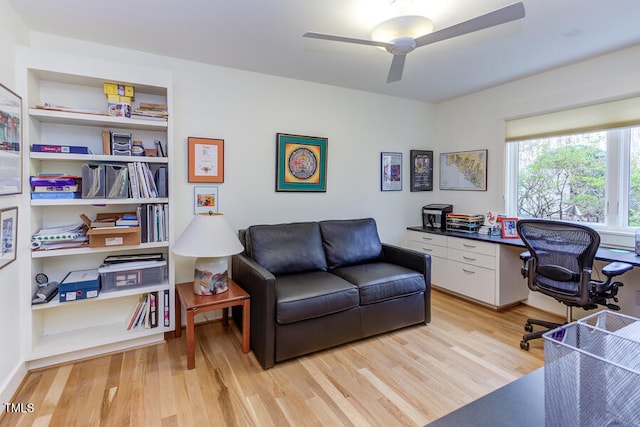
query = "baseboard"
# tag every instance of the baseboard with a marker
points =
(12, 384)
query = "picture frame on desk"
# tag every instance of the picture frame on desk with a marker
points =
(8, 235)
(206, 160)
(10, 142)
(509, 230)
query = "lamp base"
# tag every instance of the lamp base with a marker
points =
(211, 276)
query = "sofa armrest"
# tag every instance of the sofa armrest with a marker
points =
(414, 260)
(260, 284)
(409, 258)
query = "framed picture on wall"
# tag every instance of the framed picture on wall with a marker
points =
(205, 199)
(421, 170)
(10, 142)
(464, 170)
(301, 163)
(390, 171)
(8, 234)
(206, 160)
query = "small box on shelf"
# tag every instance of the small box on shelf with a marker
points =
(81, 284)
(100, 237)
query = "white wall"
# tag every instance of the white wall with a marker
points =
(248, 109)
(12, 33)
(477, 121)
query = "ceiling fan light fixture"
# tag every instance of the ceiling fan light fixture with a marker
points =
(401, 27)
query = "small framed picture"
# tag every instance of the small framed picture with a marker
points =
(421, 170)
(509, 228)
(390, 171)
(205, 199)
(206, 160)
(9, 234)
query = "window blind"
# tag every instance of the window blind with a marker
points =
(606, 115)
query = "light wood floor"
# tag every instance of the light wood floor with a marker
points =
(404, 378)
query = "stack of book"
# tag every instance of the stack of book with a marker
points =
(56, 187)
(141, 181)
(150, 111)
(145, 314)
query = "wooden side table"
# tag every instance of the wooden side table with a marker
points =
(195, 304)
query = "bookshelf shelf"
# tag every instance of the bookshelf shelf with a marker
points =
(95, 158)
(67, 331)
(87, 250)
(95, 202)
(81, 119)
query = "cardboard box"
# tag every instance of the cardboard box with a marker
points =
(81, 284)
(113, 236)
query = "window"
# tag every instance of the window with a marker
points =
(577, 165)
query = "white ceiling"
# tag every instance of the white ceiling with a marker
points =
(265, 36)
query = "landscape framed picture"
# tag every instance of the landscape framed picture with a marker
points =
(390, 171)
(421, 170)
(8, 234)
(301, 163)
(464, 170)
(206, 159)
(10, 142)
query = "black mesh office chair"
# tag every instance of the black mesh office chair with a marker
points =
(559, 263)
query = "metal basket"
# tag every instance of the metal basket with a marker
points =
(592, 372)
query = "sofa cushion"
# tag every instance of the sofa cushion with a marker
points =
(287, 248)
(348, 242)
(314, 294)
(382, 281)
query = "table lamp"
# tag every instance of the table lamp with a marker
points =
(210, 239)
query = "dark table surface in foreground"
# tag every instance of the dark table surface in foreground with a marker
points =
(519, 403)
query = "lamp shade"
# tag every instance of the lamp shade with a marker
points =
(209, 236)
(210, 239)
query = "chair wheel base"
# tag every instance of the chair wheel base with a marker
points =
(524, 345)
(528, 327)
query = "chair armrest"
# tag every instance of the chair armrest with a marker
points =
(525, 257)
(413, 260)
(260, 284)
(408, 258)
(616, 269)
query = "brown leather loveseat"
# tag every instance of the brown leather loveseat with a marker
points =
(315, 285)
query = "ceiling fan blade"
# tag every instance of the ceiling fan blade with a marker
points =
(491, 19)
(397, 66)
(323, 36)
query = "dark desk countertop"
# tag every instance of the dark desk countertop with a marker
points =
(603, 254)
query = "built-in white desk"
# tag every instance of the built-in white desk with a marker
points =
(482, 267)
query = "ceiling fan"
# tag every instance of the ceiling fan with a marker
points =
(400, 46)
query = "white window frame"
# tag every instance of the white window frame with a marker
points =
(614, 232)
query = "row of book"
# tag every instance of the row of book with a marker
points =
(146, 312)
(141, 181)
(154, 222)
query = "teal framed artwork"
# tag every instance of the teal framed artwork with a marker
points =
(301, 163)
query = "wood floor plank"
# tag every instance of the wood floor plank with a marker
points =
(407, 377)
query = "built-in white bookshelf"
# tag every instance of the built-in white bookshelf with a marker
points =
(62, 331)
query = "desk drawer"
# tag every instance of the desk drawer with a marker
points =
(471, 281)
(472, 246)
(481, 260)
(434, 239)
(427, 248)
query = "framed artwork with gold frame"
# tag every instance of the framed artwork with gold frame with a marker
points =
(301, 163)
(206, 160)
